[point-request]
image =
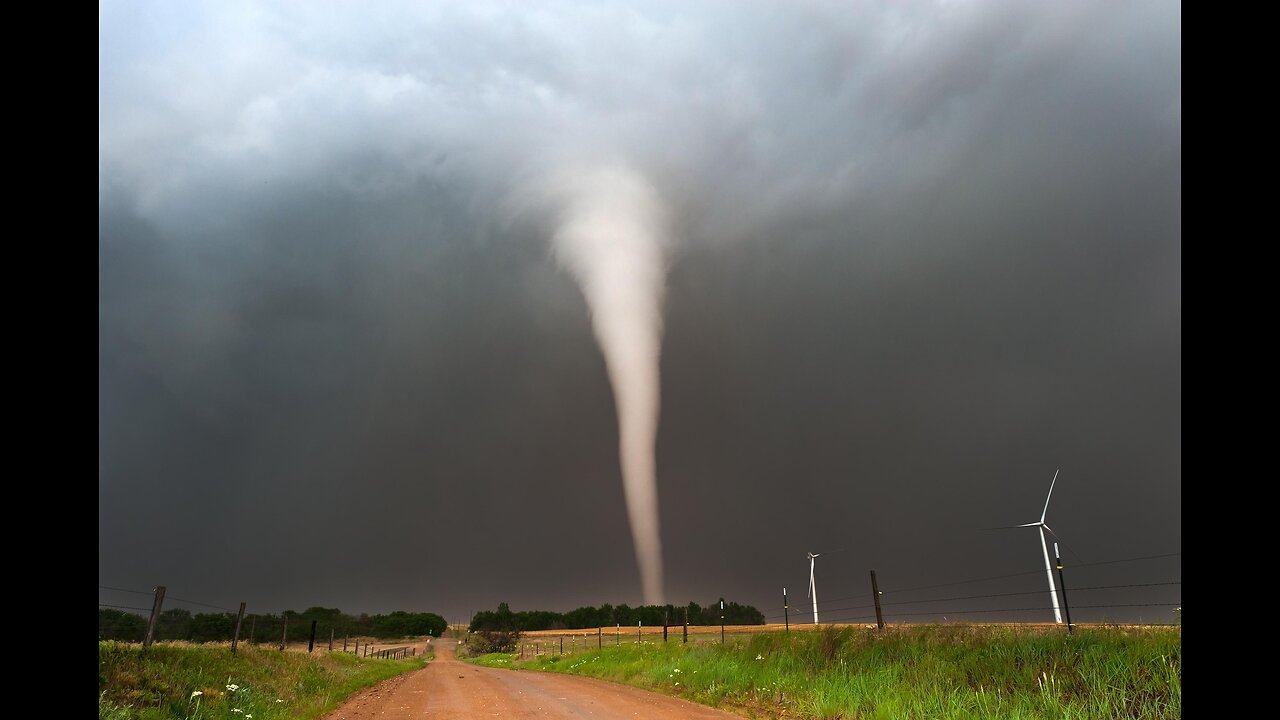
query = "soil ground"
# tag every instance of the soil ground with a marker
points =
(449, 689)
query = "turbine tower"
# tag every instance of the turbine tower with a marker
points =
(1044, 545)
(813, 589)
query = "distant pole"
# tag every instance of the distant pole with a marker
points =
(617, 634)
(666, 620)
(686, 625)
(637, 632)
(721, 621)
(786, 618)
(345, 638)
(311, 642)
(253, 626)
(356, 651)
(156, 604)
(284, 636)
(875, 593)
(561, 644)
(330, 639)
(1062, 584)
(235, 639)
(599, 638)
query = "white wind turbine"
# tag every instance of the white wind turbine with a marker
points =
(1044, 545)
(813, 590)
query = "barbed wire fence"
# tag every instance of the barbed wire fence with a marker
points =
(144, 616)
(909, 606)
(168, 617)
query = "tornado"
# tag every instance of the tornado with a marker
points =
(611, 235)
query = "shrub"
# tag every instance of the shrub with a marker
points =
(483, 642)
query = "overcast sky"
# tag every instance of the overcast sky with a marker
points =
(923, 255)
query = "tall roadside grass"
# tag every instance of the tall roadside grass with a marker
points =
(939, 671)
(178, 680)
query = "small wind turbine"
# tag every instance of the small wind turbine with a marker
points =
(1044, 545)
(813, 589)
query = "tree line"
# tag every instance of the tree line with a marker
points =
(182, 624)
(606, 615)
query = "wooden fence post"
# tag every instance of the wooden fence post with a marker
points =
(156, 604)
(235, 639)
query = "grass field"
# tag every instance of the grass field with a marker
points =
(937, 671)
(180, 680)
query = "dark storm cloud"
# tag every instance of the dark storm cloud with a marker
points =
(927, 253)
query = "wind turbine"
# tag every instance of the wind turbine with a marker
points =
(1044, 545)
(813, 590)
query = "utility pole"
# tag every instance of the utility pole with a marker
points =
(875, 593)
(786, 618)
(1062, 583)
(721, 621)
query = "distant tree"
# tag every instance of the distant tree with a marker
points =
(405, 624)
(174, 624)
(483, 642)
(696, 615)
(120, 625)
(212, 627)
(607, 616)
(624, 615)
(735, 614)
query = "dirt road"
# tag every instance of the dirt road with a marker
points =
(449, 689)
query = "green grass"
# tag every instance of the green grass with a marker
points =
(270, 685)
(947, 671)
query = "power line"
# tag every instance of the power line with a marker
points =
(1012, 575)
(1133, 559)
(1033, 592)
(123, 607)
(138, 592)
(990, 595)
(962, 582)
(1030, 609)
(193, 602)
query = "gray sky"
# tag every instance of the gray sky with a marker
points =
(924, 254)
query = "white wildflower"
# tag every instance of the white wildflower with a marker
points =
(759, 657)
(232, 687)
(195, 694)
(236, 710)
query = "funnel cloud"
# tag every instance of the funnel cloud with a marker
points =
(412, 267)
(611, 234)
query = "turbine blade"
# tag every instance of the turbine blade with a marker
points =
(1046, 498)
(1064, 543)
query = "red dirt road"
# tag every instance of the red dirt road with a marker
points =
(448, 689)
